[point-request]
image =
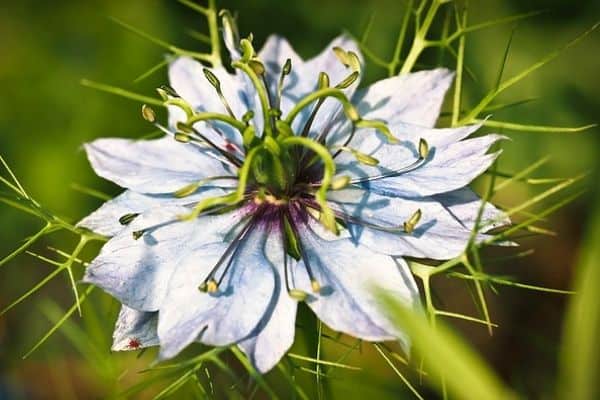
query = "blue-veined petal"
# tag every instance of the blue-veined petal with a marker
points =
(228, 316)
(414, 98)
(137, 272)
(153, 166)
(348, 273)
(464, 204)
(439, 234)
(135, 330)
(105, 220)
(275, 334)
(187, 78)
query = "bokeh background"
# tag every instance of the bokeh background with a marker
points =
(45, 116)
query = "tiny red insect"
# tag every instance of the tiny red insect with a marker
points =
(134, 344)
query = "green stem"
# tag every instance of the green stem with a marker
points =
(420, 40)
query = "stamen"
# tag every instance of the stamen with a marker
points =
(285, 71)
(423, 153)
(214, 81)
(190, 189)
(210, 284)
(314, 284)
(128, 218)
(407, 227)
(411, 223)
(148, 113)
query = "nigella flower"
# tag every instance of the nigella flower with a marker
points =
(276, 184)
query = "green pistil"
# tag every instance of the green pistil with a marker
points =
(262, 93)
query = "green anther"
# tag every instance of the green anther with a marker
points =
(423, 148)
(183, 127)
(298, 294)
(163, 94)
(287, 67)
(340, 182)
(148, 113)
(169, 91)
(187, 190)
(257, 66)
(349, 80)
(323, 80)
(275, 112)
(365, 158)
(128, 218)
(353, 61)
(342, 55)
(411, 223)
(138, 234)
(380, 126)
(272, 146)
(247, 117)
(182, 137)
(212, 79)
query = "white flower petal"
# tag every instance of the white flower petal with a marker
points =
(464, 204)
(187, 78)
(137, 272)
(275, 52)
(438, 234)
(348, 274)
(229, 315)
(414, 98)
(275, 334)
(135, 330)
(152, 166)
(447, 169)
(105, 220)
(307, 75)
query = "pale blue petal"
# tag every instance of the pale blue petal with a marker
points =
(152, 166)
(464, 205)
(348, 274)
(223, 318)
(105, 220)
(414, 98)
(187, 78)
(438, 235)
(447, 169)
(397, 155)
(331, 110)
(275, 334)
(135, 330)
(137, 272)
(449, 166)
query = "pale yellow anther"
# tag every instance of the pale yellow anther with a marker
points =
(270, 199)
(315, 286)
(212, 286)
(298, 295)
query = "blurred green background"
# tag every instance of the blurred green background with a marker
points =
(45, 116)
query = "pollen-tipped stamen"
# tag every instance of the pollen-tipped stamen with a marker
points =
(216, 84)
